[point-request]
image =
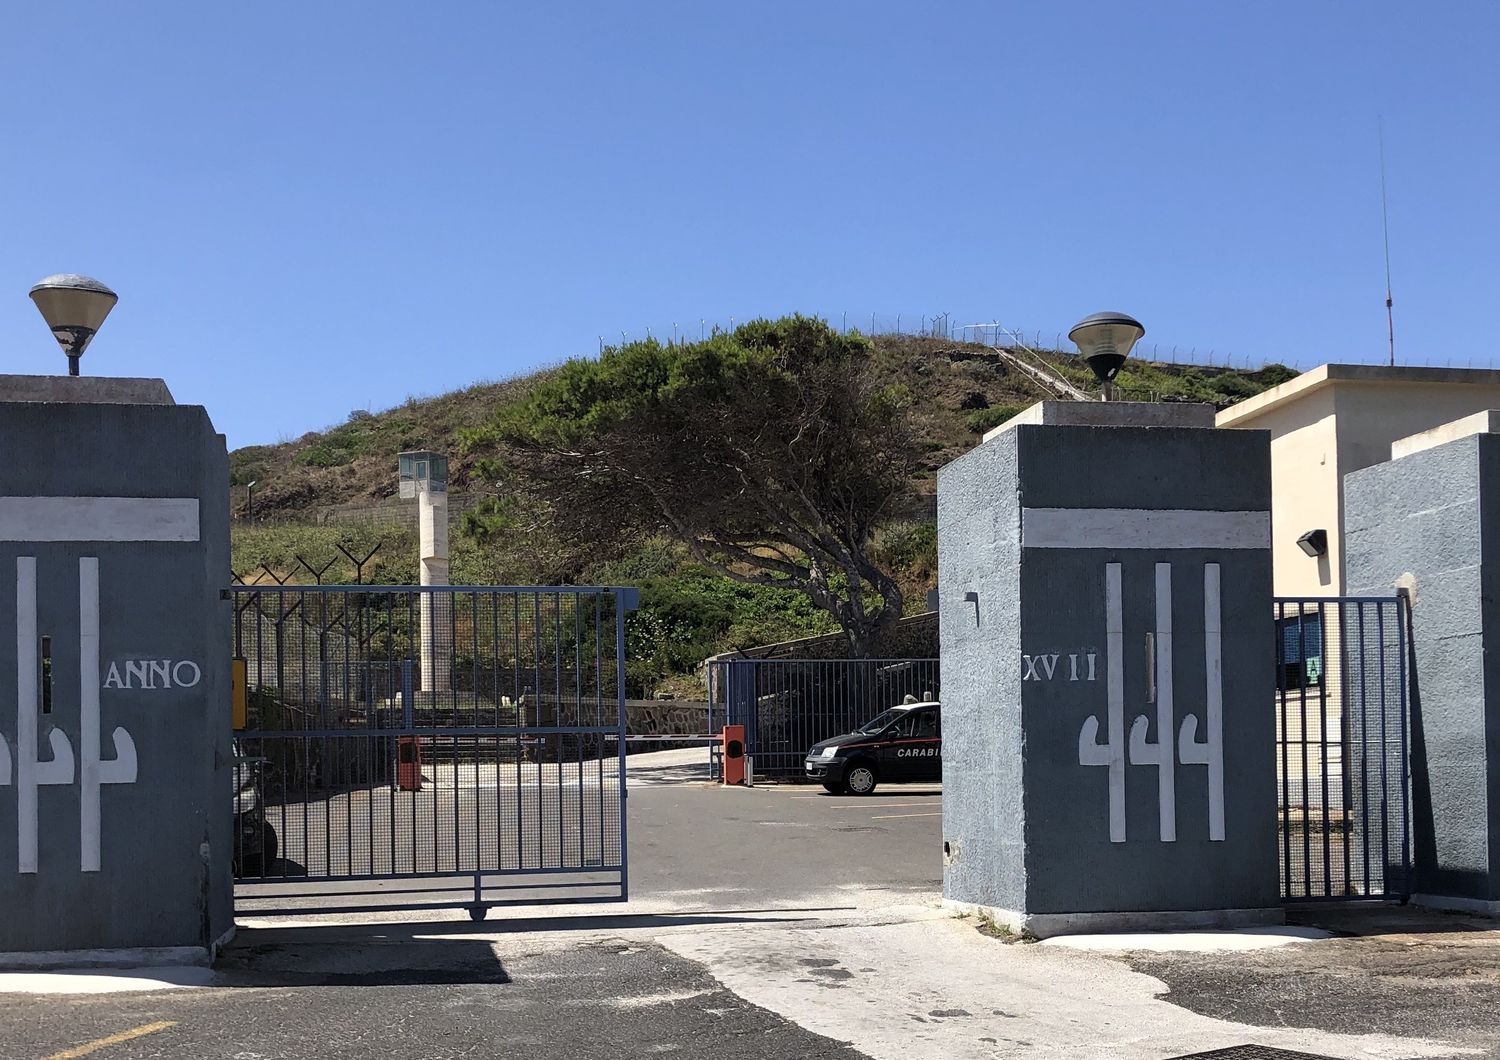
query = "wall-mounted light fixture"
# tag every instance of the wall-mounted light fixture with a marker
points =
(1314, 542)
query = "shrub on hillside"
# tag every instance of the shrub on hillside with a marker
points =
(982, 420)
(1233, 386)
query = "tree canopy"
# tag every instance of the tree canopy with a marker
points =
(772, 452)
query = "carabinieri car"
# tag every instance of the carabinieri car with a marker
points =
(904, 743)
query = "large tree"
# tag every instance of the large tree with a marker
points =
(772, 452)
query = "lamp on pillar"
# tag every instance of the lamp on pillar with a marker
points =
(74, 307)
(1105, 340)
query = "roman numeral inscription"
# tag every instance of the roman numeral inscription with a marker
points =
(1072, 666)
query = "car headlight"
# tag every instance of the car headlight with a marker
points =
(246, 800)
(830, 751)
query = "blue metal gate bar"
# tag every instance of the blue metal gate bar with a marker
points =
(416, 748)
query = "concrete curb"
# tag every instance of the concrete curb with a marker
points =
(140, 957)
(1047, 925)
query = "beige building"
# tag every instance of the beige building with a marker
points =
(1333, 420)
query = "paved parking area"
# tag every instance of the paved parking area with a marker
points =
(551, 982)
(781, 845)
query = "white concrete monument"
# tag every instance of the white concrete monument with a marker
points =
(424, 476)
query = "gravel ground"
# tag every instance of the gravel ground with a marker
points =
(1390, 971)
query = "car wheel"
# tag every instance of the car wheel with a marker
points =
(268, 850)
(861, 779)
(833, 789)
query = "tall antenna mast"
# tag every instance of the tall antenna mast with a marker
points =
(1385, 223)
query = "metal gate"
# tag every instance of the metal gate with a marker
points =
(406, 747)
(787, 705)
(1341, 748)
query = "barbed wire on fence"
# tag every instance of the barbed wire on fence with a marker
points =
(945, 325)
(390, 512)
(258, 575)
(988, 330)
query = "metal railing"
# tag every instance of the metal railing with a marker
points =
(1341, 748)
(787, 705)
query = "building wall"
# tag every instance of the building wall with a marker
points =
(1428, 521)
(979, 552)
(1305, 492)
(1372, 415)
(1335, 420)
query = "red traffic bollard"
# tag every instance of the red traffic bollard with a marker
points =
(409, 763)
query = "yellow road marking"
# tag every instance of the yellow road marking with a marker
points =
(114, 1039)
(893, 816)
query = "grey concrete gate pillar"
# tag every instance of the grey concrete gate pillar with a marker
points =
(1108, 673)
(1429, 522)
(115, 800)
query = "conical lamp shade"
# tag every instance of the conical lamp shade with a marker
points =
(1105, 340)
(74, 307)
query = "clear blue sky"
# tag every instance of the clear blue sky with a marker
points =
(313, 207)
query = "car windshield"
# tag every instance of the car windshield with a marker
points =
(880, 721)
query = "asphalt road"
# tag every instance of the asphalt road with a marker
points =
(774, 923)
(689, 841)
(437, 999)
(556, 984)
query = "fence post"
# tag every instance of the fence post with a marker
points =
(406, 686)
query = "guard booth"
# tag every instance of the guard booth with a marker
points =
(115, 759)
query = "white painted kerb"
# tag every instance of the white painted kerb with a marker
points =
(1116, 528)
(99, 519)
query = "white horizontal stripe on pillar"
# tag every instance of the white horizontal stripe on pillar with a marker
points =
(1116, 528)
(99, 519)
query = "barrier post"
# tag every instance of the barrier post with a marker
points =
(733, 743)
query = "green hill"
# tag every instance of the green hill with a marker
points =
(336, 487)
(958, 391)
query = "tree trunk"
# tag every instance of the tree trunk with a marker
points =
(861, 643)
(864, 636)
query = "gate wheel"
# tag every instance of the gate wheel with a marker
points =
(478, 912)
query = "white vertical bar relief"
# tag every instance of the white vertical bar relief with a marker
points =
(1111, 753)
(1158, 753)
(1210, 752)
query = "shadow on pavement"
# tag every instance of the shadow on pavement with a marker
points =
(296, 961)
(1380, 918)
(411, 953)
(386, 931)
(277, 869)
(670, 775)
